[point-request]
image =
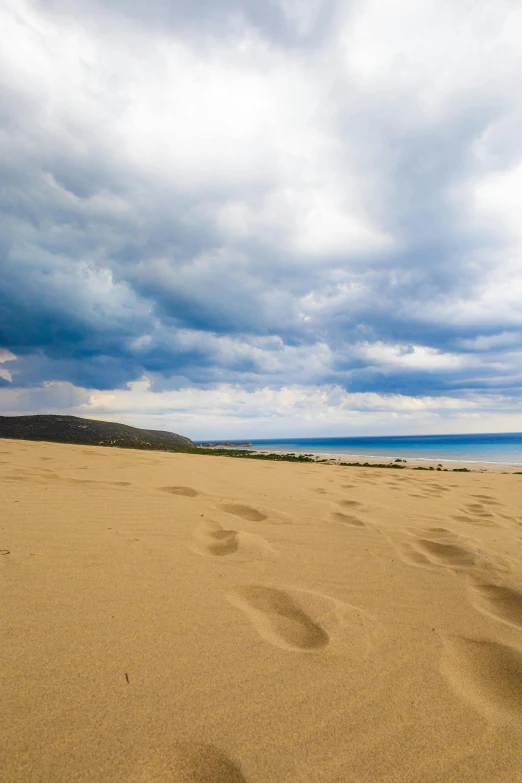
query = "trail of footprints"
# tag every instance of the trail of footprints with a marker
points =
(479, 513)
(487, 674)
(291, 619)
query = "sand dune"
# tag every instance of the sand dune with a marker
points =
(194, 619)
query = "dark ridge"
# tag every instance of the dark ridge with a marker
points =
(88, 432)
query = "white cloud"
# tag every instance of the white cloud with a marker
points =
(214, 207)
(6, 356)
(47, 398)
(311, 221)
(505, 340)
(497, 196)
(238, 116)
(431, 53)
(302, 14)
(416, 357)
(228, 411)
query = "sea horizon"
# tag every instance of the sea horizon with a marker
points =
(490, 448)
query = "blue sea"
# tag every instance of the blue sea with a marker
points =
(504, 448)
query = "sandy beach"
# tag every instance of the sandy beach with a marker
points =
(412, 464)
(201, 619)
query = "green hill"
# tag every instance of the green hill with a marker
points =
(73, 429)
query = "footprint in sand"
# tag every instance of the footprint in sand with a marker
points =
(443, 553)
(212, 539)
(187, 492)
(279, 618)
(442, 548)
(501, 603)
(486, 674)
(439, 487)
(92, 482)
(349, 503)
(437, 547)
(347, 519)
(478, 510)
(476, 521)
(510, 518)
(488, 499)
(188, 763)
(244, 512)
(441, 533)
(478, 507)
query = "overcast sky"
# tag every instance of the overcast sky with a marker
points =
(234, 218)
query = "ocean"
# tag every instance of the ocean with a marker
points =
(504, 448)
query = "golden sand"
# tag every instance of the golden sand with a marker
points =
(201, 619)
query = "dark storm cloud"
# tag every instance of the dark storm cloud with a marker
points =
(121, 256)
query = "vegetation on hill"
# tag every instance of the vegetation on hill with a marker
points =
(73, 429)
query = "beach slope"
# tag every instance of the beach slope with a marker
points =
(189, 618)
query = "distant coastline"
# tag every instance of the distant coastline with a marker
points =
(496, 449)
(219, 444)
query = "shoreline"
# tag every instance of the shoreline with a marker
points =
(330, 458)
(406, 463)
(347, 460)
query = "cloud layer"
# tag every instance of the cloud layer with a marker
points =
(253, 200)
